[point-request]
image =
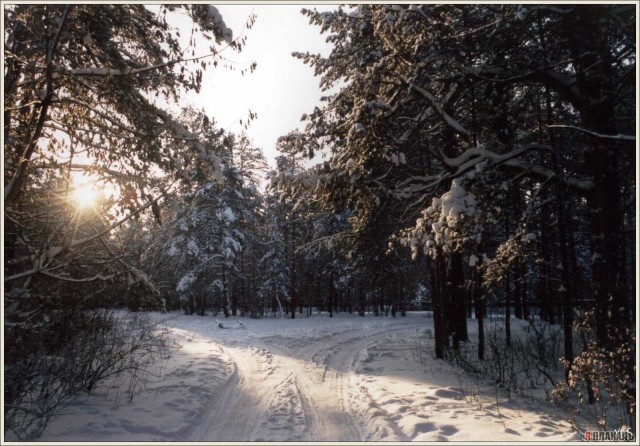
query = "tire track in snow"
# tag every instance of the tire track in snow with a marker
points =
(325, 376)
(238, 409)
(199, 430)
(304, 391)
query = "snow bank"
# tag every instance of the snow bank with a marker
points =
(176, 394)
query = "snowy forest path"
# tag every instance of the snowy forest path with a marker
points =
(229, 417)
(288, 389)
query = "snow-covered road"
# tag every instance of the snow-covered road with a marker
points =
(345, 378)
(291, 387)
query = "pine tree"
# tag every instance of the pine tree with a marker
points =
(79, 102)
(422, 95)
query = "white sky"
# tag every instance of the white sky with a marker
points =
(281, 89)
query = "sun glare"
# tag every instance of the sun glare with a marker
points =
(85, 196)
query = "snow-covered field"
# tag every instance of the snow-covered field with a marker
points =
(346, 378)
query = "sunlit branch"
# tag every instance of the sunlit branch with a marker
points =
(124, 219)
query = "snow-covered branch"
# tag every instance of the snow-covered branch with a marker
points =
(128, 71)
(619, 136)
(122, 220)
(89, 168)
(194, 142)
(53, 124)
(54, 251)
(476, 155)
(83, 280)
(439, 109)
(473, 156)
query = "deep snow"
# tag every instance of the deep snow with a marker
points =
(346, 378)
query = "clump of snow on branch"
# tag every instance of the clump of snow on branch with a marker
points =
(218, 22)
(450, 224)
(228, 215)
(456, 221)
(185, 283)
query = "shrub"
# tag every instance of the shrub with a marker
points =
(531, 362)
(71, 352)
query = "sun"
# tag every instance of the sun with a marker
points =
(85, 196)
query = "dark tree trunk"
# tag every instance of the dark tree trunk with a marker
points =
(331, 294)
(566, 285)
(441, 336)
(595, 83)
(507, 292)
(202, 307)
(293, 293)
(458, 295)
(242, 298)
(546, 301)
(507, 308)
(479, 304)
(361, 310)
(518, 292)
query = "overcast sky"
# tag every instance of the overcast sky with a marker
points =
(281, 89)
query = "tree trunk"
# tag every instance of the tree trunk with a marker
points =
(594, 81)
(566, 285)
(457, 293)
(517, 296)
(479, 304)
(331, 295)
(441, 336)
(507, 308)
(361, 297)
(507, 292)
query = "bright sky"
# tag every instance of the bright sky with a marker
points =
(281, 89)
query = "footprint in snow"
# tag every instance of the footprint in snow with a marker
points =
(448, 430)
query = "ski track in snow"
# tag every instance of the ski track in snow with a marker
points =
(310, 379)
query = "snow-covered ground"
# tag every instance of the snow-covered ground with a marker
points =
(346, 378)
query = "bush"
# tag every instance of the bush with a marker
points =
(531, 362)
(606, 373)
(70, 352)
